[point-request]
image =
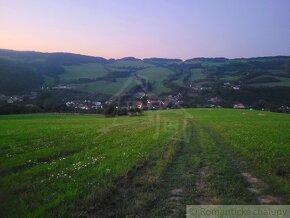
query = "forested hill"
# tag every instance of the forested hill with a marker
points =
(246, 80)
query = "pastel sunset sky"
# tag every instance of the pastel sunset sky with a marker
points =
(150, 28)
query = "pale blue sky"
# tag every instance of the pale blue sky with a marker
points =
(151, 28)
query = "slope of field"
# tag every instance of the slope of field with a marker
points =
(197, 74)
(281, 81)
(72, 165)
(87, 71)
(156, 76)
(116, 87)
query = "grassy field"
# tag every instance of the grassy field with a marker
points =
(197, 74)
(119, 86)
(88, 71)
(156, 76)
(165, 78)
(152, 74)
(179, 81)
(54, 165)
(283, 82)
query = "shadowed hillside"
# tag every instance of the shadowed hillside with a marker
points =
(201, 81)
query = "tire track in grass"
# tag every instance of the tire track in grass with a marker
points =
(203, 188)
(205, 194)
(222, 174)
(136, 192)
(255, 187)
(177, 184)
(258, 187)
(181, 182)
(116, 202)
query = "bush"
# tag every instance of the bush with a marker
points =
(135, 111)
(112, 111)
(18, 109)
(109, 111)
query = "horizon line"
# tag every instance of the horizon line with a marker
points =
(152, 57)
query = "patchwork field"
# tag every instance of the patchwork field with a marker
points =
(156, 76)
(197, 74)
(87, 71)
(54, 165)
(120, 85)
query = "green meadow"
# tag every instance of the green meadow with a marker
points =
(87, 71)
(67, 165)
(116, 87)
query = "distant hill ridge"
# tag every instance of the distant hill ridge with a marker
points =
(89, 58)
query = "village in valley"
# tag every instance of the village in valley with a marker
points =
(140, 100)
